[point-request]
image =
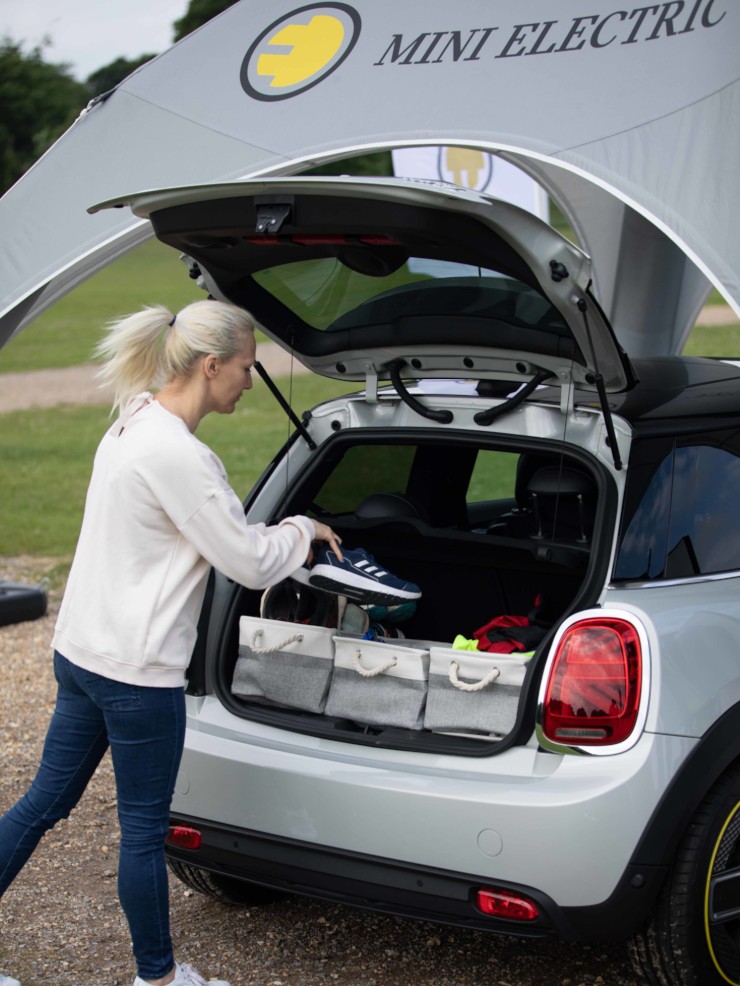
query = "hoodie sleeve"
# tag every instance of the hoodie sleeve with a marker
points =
(253, 555)
(188, 482)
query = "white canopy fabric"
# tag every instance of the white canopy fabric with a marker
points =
(629, 116)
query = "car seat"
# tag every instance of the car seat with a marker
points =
(563, 503)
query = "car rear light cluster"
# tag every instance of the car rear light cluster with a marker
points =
(592, 696)
(183, 837)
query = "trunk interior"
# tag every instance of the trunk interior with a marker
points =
(485, 532)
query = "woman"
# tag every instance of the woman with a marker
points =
(159, 513)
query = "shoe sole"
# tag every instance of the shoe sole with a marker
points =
(300, 575)
(356, 587)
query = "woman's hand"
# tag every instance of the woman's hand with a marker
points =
(325, 533)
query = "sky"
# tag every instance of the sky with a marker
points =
(88, 34)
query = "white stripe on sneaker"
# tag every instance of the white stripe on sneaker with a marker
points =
(357, 580)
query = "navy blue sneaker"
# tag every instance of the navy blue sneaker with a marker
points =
(359, 577)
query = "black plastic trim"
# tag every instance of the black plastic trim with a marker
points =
(406, 890)
(714, 754)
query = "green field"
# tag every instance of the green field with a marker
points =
(47, 454)
(67, 333)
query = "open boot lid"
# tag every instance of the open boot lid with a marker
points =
(356, 277)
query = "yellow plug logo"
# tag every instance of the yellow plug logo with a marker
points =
(299, 50)
(465, 167)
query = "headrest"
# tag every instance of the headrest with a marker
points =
(554, 481)
(393, 506)
(528, 464)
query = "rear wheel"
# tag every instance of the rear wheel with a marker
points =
(693, 938)
(223, 888)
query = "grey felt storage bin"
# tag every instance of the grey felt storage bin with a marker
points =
(378, 682)
(284, 663)
(472, 692)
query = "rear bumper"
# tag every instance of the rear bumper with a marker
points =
(567, 826)
(417, 892)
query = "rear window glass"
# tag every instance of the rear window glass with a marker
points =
(329, 295)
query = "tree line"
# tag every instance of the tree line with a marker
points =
(40, 99)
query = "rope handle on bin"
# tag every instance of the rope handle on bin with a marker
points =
(296, 638)
(372, 672)
(464, 686)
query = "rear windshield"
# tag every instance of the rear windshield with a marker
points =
(329, 295)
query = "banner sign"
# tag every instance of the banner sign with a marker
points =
(477, 170)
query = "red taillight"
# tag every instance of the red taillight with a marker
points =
(593, 693)
(184, 837)
(504, 904)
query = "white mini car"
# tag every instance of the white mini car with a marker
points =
(552, 747)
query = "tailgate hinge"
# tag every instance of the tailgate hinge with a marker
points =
(371, 384)
(567, 394)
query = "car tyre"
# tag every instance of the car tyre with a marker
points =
(224, 888)
(682, 945)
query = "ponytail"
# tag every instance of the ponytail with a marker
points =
(148, 349)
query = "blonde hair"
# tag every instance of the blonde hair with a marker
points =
(148, 349)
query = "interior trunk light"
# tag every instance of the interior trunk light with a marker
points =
(184, 837)
(593, 694)
(504, 904)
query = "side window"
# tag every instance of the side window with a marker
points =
(680, 517)
(491, 489)
(705, 522)
(494, 476)
(362, 470)
(643, 544)
(451, 485)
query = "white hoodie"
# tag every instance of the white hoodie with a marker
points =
(159, 513)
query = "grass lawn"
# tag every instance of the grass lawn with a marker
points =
(67, 333)
(47, 456)
(714, 340)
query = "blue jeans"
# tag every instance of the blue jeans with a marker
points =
(145, 729)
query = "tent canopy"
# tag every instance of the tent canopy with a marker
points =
(629, 117)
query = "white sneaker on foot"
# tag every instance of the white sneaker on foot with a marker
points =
(185, 975)
(8, 981)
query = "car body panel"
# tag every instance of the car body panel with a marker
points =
(694, 627)
(497, 817)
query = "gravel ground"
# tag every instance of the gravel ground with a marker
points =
(60, 923)
(79, 384)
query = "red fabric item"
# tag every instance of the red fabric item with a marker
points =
(500, 646)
